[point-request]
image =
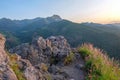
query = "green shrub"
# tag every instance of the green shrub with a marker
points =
(85, 52)
(88, 65)
(15, 67)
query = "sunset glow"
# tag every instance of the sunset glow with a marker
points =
(108, 11)
(100, 11)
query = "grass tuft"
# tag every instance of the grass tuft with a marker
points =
(98, 65)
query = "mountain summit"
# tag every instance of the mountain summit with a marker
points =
(54, 18)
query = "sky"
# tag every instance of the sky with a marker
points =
(99, 11)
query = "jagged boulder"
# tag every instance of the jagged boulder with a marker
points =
(39, 42)
(45, 59)
(59, 46)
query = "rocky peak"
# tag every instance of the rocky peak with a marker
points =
(56, 17)
(45, 59)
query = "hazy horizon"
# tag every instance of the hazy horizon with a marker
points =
(98, 11)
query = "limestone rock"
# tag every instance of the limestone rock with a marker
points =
(39, 42)
(43, 59)
(3, 56)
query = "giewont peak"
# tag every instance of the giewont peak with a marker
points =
(55, 17)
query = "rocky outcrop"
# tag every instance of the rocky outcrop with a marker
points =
(46, 59)
(6, 73)
(13, 67)
(40, 50)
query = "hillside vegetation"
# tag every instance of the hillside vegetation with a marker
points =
(98, 65)
(102, 36)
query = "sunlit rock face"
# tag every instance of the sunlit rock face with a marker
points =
(6, 73)
(3, 57)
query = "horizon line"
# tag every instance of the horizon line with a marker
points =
(111, 22)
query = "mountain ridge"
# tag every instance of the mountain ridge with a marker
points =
(105, 36)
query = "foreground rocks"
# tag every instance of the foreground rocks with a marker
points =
(42, 59)
(11, 66)
(3, 55)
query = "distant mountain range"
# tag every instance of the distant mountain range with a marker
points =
(105, 36)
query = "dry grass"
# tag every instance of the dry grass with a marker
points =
(98, 65)
(13, 64)
(44, 67)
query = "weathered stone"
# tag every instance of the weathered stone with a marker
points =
(6, 73)
(41, 49)
(53, 69)
(3, 55)
(43, 59)
(23, 64)
(32, 74)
